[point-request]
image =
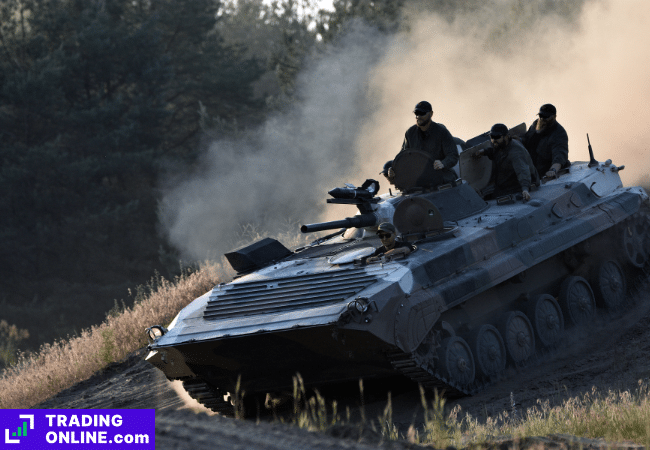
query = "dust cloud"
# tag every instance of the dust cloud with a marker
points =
(501, 63)
(495, 64)
(278, 175)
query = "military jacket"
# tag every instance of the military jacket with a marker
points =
(514, 169)
(549, 147)
(438, 142)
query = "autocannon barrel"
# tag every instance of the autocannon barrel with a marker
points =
(358, 221)
(350, 193)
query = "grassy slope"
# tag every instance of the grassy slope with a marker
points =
(57, 366)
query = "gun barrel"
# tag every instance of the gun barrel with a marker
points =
(358, 221)
(350, 193)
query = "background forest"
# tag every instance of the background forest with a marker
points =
(102, 101)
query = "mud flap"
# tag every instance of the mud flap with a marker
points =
(415, 316)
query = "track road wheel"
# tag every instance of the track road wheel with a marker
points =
(457, 361)
(577, 300)
(548, 320)
(633, 241)
(608, 281)
(489, 350)
(518, 336)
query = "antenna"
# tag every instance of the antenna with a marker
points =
(592, 162)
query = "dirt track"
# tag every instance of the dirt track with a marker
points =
(614, 355)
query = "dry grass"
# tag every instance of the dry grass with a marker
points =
(614, 416)
(57, 366)
(36, 377)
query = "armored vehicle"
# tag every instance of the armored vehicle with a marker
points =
(490, 282)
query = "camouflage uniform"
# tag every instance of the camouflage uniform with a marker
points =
(514, 169)
(438, 142)
(549, 147)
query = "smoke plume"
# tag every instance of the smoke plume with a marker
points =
(278, 174)
(499, 63)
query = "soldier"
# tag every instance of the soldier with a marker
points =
(547, 142)
(433, 138)
(384, 172)
(390, 247)
(514, 168)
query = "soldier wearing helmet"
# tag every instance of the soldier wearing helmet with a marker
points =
(390, 246)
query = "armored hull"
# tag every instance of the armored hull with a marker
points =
(489, 284)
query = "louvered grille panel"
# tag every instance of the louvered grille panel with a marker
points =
(288, 294)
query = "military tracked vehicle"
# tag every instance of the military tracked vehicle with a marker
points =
(490, 282)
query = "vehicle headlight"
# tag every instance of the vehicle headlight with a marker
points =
(154, 332)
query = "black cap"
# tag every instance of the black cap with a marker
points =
(387, 166)
(546, 110)
(387, 226)
(423, 107)
(498, 129)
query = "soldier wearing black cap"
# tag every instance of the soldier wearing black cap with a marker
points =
(547, 142)
(434, 138)
(384, 172)
(514, 168)
(390, 246)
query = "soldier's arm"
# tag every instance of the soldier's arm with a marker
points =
(449, 149)
(406, 143)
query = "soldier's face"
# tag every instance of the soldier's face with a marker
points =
(423, 118)
(387, 239)
(498, 142)
(545, 121)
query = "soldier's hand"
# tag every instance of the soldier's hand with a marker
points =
(525, 195)
(438, 165)
(396, 253)
(390, 174)
(477, 154)
(552, 172)
(372, 259)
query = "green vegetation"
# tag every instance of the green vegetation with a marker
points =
(10, 337)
